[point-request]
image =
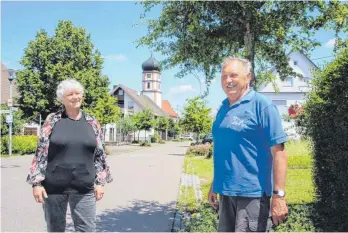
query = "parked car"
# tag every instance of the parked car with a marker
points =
(207, 139)
(186, 137)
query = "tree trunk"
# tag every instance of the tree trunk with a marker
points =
(249, 42)
(145, 135)
(138, 134)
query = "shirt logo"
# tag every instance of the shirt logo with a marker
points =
(237, 124)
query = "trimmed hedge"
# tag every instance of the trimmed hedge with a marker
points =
(326, 120)
(198, 150)
(20, 144)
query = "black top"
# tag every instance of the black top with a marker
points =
(70, 165)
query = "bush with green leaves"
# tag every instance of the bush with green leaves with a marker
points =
(326, 117)
(205, 219)
(161, 142)
(155, 138)
(198, 150)
(145, 143)
(20, 144)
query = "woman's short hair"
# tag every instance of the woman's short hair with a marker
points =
(66, 85)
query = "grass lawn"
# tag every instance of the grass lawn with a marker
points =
(299, 184)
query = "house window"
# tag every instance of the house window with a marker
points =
(130, 105)
(279, 102)
(148, 76)
(148, 85)
(288, 82)
(120, 92)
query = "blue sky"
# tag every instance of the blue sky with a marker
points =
(111, 25)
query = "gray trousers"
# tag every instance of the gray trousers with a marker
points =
(244, 214)
(82, 207)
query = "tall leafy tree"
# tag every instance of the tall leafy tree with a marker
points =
(106, 111)
(173, 128)
(196, 116)
(127, 125)
(47, 60)
(197, 35)
(146, 120)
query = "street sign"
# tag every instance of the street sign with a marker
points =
(9, 102)
(9, 119)
(5, 111)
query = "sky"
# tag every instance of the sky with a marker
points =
(114, 27)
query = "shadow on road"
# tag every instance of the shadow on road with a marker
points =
(141, 216)
(177, 154)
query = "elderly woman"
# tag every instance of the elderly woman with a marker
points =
(70, 163)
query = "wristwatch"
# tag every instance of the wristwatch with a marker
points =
(280, 193)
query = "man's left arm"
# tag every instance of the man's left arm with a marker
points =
(280, 166)
(275, 138)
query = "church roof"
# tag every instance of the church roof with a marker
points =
(168, 109)
(142, 100)
(151, 64)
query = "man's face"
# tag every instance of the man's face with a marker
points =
(235, 79)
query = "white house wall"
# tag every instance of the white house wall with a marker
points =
(303, 66)
(288, 98)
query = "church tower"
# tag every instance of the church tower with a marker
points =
(152, 80)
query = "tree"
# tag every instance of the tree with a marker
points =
(196, 116)
(47, 60)
(106, 111)
(173, 129)
(137, 122)
(326, 120)
(146, 120)
(127, 125)
(162, 124)
(18, 121)
(198, 35)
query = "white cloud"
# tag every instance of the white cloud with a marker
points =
(181, 89)
(330, 43)
(116, 57)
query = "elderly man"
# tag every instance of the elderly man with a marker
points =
(250, 161)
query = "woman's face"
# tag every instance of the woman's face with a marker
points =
(72, 99)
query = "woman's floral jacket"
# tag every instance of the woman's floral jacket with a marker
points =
(39, 163)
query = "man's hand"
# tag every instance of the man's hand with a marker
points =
(279, 209)
(98, 191)
(39, 194)
(212, 198)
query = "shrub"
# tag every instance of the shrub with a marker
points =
(326, 113)
(20, 144)
(211, 150)
(205, 219)
(145, 143)
(155, 138)
(135, 142)
(162, 142)
(198, 150)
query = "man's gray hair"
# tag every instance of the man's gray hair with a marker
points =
(66, 85)
(244, 61)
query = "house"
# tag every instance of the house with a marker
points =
(131, 101)
(28, 129)
(293, 89)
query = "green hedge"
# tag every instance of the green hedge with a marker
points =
(199, 150)
(326, 120)
(20, 144)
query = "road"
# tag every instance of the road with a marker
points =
(141, 198)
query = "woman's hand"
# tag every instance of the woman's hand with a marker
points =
(98, 191)
(39, 194)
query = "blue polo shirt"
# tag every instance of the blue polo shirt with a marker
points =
(243, 136)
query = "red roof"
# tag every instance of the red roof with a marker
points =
(168, 109)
